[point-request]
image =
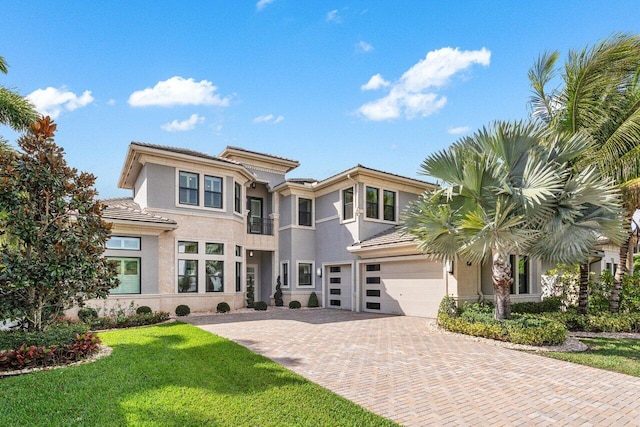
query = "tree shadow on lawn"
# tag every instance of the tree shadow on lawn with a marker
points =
(626, 348)
(173, 374)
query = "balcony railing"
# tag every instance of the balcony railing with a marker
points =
(260, 226)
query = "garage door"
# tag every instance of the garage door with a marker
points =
(411, 287)
(338, 286)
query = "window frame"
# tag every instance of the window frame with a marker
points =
(394, 206)
(139, 263)
(207, 276)
(189, 189)
(122, 246)
(344, 204)
(205, 192)
(197, 273)
(285, 274)
(372, 204)
(237, 198)
(311, 265)
(514, 260)
(301, 212)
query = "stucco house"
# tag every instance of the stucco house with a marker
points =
(200, 229)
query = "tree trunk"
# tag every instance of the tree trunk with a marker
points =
(616, 288)
(583, 292)
(502, 280)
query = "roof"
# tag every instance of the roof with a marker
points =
(251, 158)
(125, 209)
(390, 236)
(186, 151)
(359, 166)
(244, 150)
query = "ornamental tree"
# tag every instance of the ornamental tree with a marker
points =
(53, 235)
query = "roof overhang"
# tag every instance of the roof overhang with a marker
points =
(259, 160)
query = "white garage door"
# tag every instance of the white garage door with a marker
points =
(338, 286)
(412, 288)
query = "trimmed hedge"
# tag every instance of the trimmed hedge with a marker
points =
(313, 300)
(102, 323)
(143, 309)
(547, 305)
(56, 335)
(601, 322)
(260, 306)
(223, 307)
(295, 304)
(477, 320)
(182, 310)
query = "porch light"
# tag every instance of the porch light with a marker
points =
(250, 253)
(319, 272)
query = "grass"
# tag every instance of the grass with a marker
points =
(175, 375)
(619, 355)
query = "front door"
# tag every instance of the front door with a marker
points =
(252, 282)
(255, 215)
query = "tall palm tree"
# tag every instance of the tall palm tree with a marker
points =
(511, 189)
(600, 97)
(15, 111)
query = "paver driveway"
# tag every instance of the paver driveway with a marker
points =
(398, 368)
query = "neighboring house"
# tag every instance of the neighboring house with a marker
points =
(201, 229)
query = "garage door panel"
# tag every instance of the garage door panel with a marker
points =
(338, 285)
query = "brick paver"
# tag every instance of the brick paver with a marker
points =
(398, 368)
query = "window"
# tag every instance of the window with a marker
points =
(373, 292)
(520, 274)
(215, 276)
(372, 203)
(335, 280)
(373, 267)
(285, 274)
(304, 212)
(347, 204)
(335, 291)
(187, 275)
(373, 280)
(214, 249)
(213, 192)
(237, 198)
(334, 269)
(187, 247)
(128, 272)
(305, 271)
(238, 250)
(238, 277)
(123, 243)
(389, 208)
(188, 188)
(373, 306)
(335, 302)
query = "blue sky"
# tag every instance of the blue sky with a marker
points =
(329, 83)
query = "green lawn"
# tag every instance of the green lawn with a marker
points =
(175, 375)
(620, 355)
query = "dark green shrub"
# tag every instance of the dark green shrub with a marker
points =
(448, 307)
(260, 306)
(223, 307)
(87, 314)
(535, 331)
(547, 305)
(57, 335)
(295, 304)
(143, 309)
(599, 322)
(102, 323)
(313, 300)
(630, 299)
(182, 310)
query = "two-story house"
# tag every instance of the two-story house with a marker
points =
(202, 229)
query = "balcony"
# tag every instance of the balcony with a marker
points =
(262, 226)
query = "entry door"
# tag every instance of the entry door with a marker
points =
(255, 215)
(252, 280)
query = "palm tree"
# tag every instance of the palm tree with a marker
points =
(600, 97)
(15, 111)
(510, 189)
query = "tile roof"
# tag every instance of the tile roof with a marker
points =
(231, 147)
(124, 208)
(390, 236)
(186, 151)
(375, 170)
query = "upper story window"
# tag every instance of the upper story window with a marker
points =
(189, 188)
(237, 198)
(213, 192)
(373, 196)
(305, 214)
(347, 204)
(389, 208)
(123, 243)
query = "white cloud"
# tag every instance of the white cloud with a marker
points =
(268, 118)
(189, 124)
(262, 4)
(178, 91)
(52, 101)
(363, 46)
(458, 130)
(111, 102)
(413, 95)
(333, 16)
(375, 82)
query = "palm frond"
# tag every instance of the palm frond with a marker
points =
(15, 110)
(543, 105)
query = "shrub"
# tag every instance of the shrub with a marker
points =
(260, 306)
(129, 321)
(87, 314)
(630, 299)
(182, 310)
(313, 300)
(295, 304)
(599, 322)
(547, 305)
(143, 309)
(223, 307)
(448, 307)
(57, 335)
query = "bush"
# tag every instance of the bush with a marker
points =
(87, 314)
(182, 310)
(130, 321)
(57, 335)
(143, 309)
(630, 299)
(313, 300)
(260, 306)
(295, 304)
(547, 305)
(223, 307)
(599, 322)
(27, 356)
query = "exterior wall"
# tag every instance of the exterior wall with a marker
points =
(464, 282)
(536, 270)
(161, 186)
(286, 210)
